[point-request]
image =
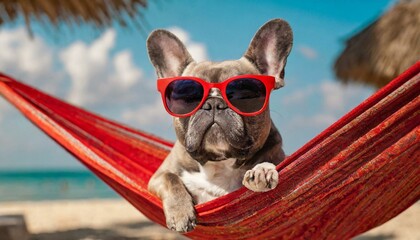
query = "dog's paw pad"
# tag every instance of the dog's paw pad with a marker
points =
(262, 178)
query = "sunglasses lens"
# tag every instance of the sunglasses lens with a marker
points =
(246, 94)
(183, 96)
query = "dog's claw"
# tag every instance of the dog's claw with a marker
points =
(180, 216)
(263, 177)
(181, 225)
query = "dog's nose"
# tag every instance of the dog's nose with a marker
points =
(214, 103)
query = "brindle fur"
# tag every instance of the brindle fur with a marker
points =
(250, 141)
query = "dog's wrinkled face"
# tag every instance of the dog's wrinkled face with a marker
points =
(216, 132)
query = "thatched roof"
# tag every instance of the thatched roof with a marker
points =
(384, 49)
(100, 13)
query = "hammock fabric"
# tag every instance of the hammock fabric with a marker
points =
(357, 174)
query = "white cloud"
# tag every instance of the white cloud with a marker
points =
(19, 52)
(307, 52)
(146, 115)
(333, 94)
(98, 77)
(335, 100)
(339, 97)
(298, 97)
(28, 59)
(197, 50)
(323, 119)
(320, 120)
(126, 72)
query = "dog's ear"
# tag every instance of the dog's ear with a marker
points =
(269, 49)
(167, 54)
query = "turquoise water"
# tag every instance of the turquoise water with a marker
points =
(51, 185)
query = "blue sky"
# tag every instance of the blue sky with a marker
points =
(108, 71)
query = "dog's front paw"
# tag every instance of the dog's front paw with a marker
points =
(180, 215)
(262, 178)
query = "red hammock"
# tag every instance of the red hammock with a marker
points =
(357, 174)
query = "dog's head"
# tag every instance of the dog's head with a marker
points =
(215, 132)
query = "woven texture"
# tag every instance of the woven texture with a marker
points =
(357, 174)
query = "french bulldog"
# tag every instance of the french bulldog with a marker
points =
(218, 150)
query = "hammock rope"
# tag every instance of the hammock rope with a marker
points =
(357, 174)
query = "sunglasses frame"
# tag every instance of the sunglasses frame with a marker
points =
(268, 81)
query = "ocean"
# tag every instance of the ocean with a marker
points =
(52, 185)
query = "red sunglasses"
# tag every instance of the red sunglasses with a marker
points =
(247, 95)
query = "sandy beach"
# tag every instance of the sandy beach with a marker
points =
(86, 220)
(116, 219)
